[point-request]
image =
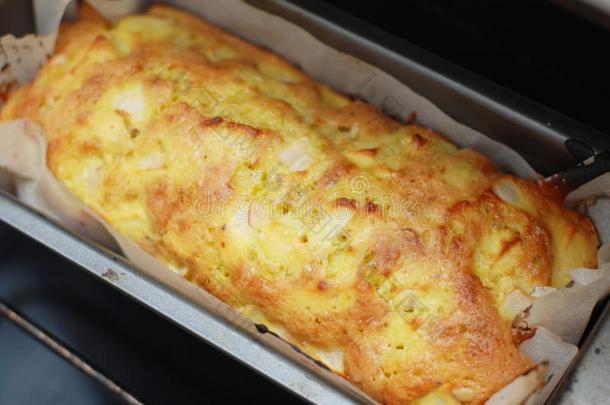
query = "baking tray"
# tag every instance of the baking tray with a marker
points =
(522, 124)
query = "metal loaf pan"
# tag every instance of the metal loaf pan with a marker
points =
(531, 129)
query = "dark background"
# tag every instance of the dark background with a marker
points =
(532, 47)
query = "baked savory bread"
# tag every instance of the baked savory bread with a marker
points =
(379, 248)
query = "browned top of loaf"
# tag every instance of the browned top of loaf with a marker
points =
(380, 248)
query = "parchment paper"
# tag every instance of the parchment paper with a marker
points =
(560, 314)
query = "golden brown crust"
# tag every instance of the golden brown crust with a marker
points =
(351, 232)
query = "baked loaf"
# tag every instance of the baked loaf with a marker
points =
(379, 248)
